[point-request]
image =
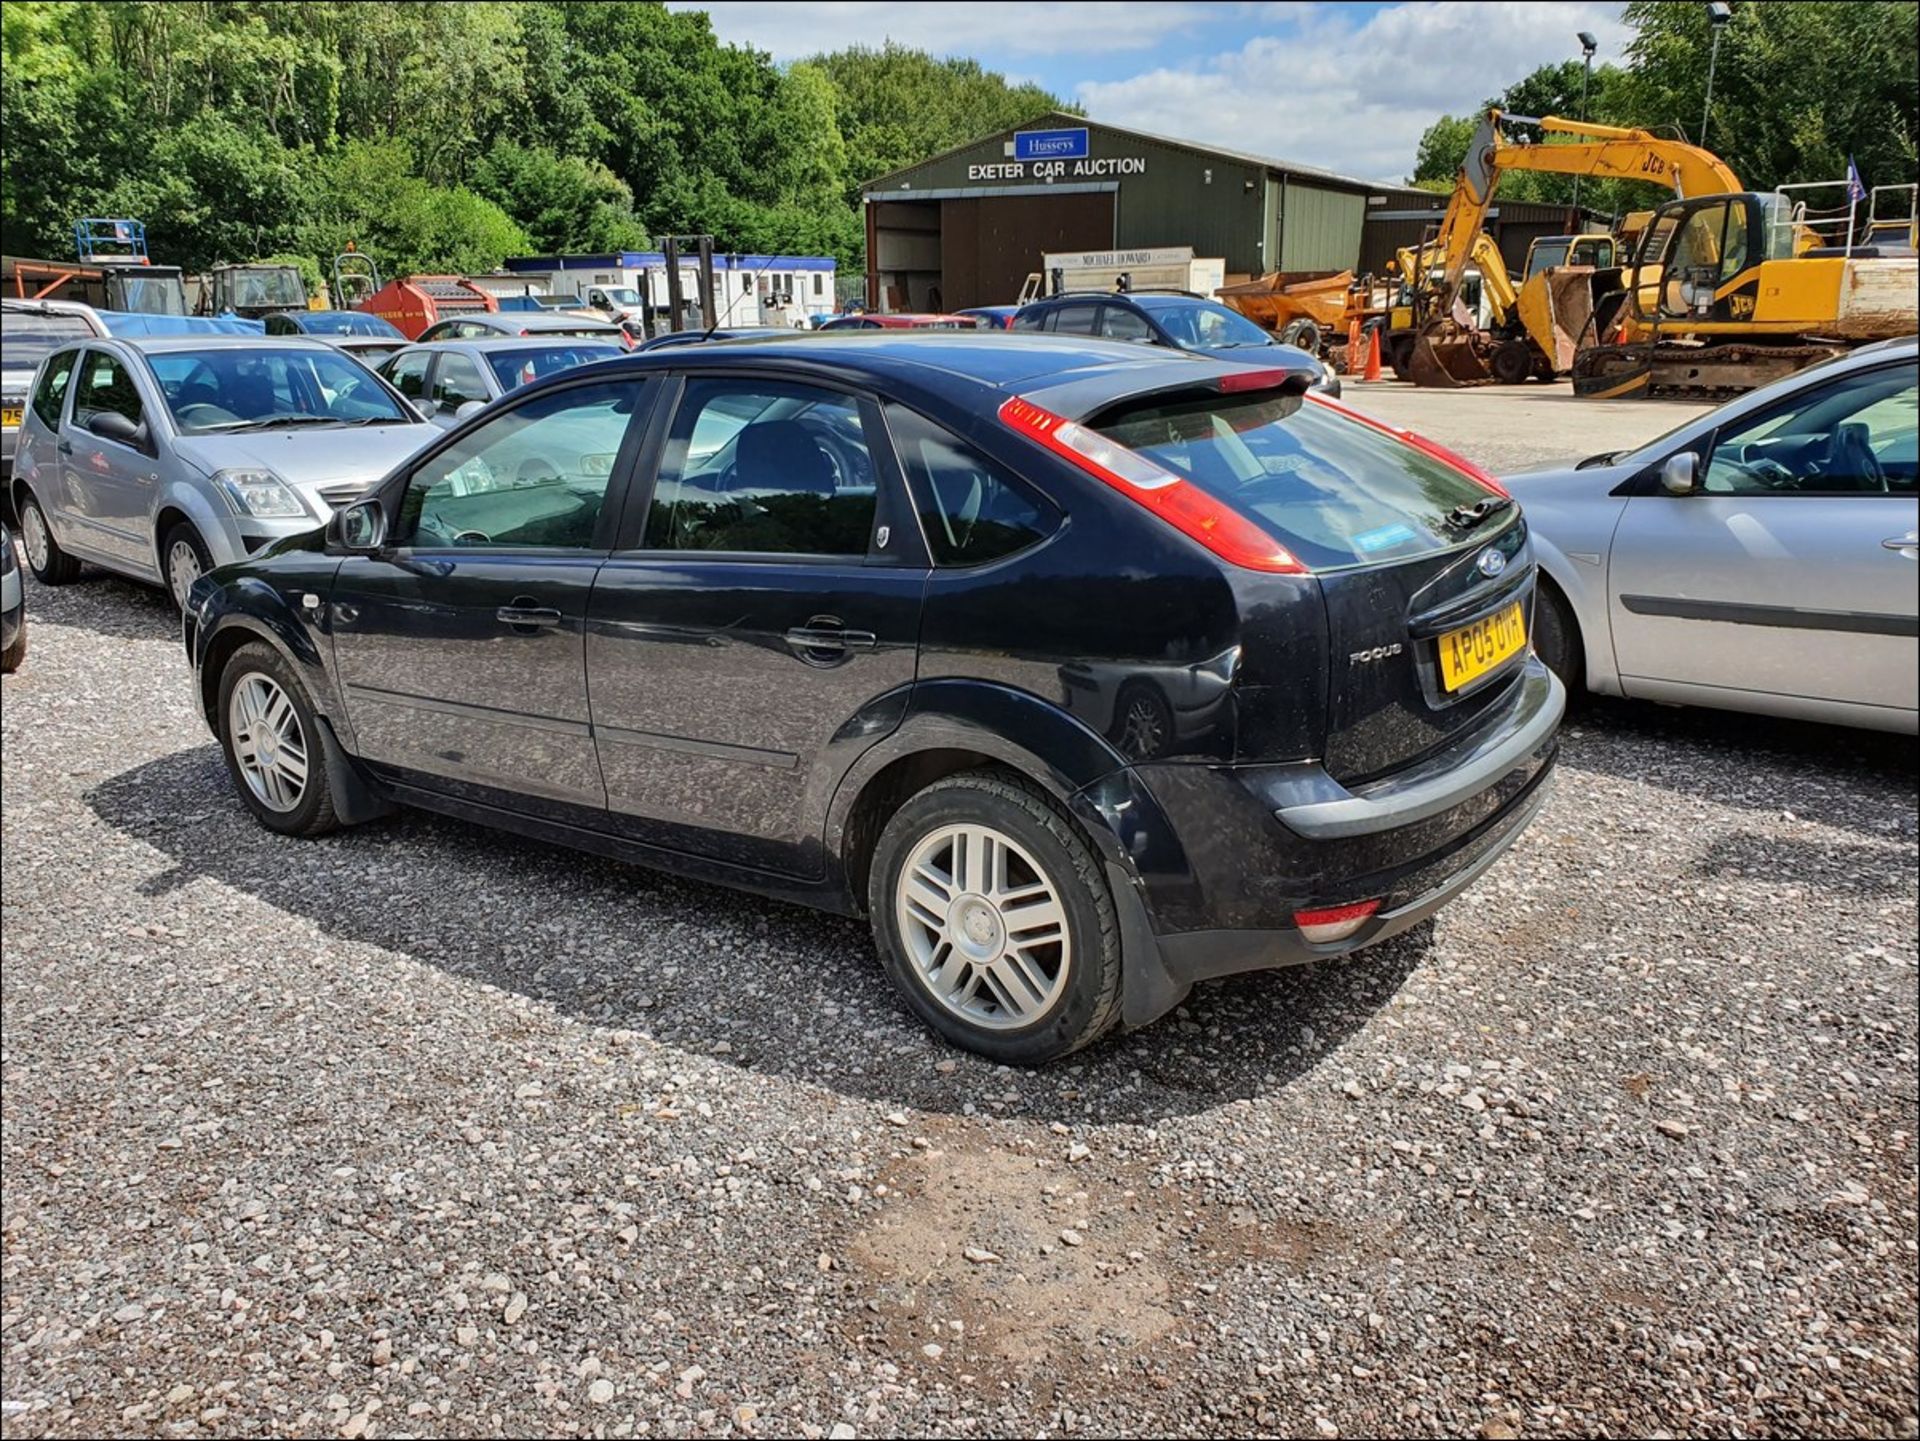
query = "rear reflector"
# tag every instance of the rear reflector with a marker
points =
(1334, 923)
(1184, 506)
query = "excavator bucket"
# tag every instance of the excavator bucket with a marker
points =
(1555, 308)
(1444, 361)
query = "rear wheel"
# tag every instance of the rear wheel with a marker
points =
(1512, 363)
(1303, 333)
(1556, 639)
(273, 744)
(993, 919)
(50, 564)
(1399, 356)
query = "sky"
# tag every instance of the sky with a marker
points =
(1347, 87)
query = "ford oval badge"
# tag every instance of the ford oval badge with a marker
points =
(1491, 563)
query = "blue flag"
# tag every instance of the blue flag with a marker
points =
(1856, 192)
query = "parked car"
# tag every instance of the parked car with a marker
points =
(334, 325)
(13, 607)
(991, 317)
(1173, 319)
(162, 458)
(369, 350)
(487, 325)
(1758, 558)
(30, 330)
(820, 618)
(447, 380)
(906, 320)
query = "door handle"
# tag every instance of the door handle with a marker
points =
(1909, 541)
(812, 638)
(528, 618)
(65, 447)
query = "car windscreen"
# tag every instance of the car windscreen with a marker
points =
(262, 388)
(27, 338)
(1331, 488)
(349, 322)
(518, 367)
(1202, 323)
(623, 295)
(582, 332)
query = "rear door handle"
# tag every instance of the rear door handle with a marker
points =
(528, 617)
(1909, 541)
(808, 638)
(65, 447)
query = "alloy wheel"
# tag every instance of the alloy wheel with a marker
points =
(33, 534)
(183, 569)
(984, 926)
(268, 743)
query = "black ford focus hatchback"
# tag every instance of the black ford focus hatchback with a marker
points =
(1085, 672)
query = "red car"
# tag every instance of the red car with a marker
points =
(905, 321)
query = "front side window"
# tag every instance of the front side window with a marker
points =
(105, 385)
(254, 388)
(1203, 324)
(1332, 489)
(1694, 268)
(971, 509)
(1856, 437)
(764, 467)
(1119, 323)
(534, 477)
(458, 381)
(408, 374)
(51, 392)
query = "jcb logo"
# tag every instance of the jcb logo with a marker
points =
(1653, 165)
(1741, 305)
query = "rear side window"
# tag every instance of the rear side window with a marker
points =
(51, 393)
(971, 509)
(1332, 489)
(767, 468)
(1074, 319)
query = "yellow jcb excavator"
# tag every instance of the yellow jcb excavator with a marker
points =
(1725, 290)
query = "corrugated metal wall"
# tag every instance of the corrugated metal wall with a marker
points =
(1319, 229)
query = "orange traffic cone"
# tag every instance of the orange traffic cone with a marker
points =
(1373, 353)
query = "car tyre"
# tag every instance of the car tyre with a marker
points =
(273, 743)
(184, 558)
(992, 917)
(50, 564)
(1302, 333)
(1556, 640)
(11, 657)
(1513, 363)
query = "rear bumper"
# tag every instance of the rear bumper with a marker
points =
(1245, 847)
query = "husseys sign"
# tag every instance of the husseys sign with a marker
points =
(1055, 155)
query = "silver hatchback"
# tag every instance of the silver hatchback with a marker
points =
(163, 458)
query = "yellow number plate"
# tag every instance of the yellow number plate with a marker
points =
(1473, 650)
(9, 415)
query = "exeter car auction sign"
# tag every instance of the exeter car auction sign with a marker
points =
(1054, 155)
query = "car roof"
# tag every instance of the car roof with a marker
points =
(47, 307)
(492, 345)
(530, 319)
(1074, 375)
(169, 344)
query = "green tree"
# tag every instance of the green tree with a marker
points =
(563, 202)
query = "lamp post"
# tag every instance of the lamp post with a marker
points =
(1718, 14)
(1587, 46)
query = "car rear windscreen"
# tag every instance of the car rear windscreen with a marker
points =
(1332, 489)
(26, 338)
(515, 368)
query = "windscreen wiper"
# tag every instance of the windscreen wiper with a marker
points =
(1466, 517)
(270, 422)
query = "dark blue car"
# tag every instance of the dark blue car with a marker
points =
(1175, 319)
(1084, 671)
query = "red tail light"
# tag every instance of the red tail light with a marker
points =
(1334, 923)
(1258, 380)
(1420, 442)
(1183, 505)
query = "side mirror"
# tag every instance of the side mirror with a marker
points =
(363, 526)
(112, 425)
(426, 407)
(1680, 473)
(469, 407)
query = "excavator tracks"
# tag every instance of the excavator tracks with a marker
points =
(1704, 372)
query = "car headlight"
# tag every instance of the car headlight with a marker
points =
(259, 493)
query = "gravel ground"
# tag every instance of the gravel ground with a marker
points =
(422, 1130)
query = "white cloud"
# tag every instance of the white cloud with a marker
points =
(1044, 27)
(1349, 98)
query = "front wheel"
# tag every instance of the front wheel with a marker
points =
(1556, 640)
(185, 558)
(994, 921)
(273, 745)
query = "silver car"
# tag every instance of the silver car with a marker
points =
(1762, 557)
(163, 458)
(447, 380)
(29, 331)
